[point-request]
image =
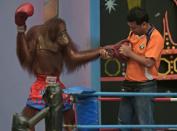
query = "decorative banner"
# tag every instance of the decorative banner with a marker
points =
(133, 3)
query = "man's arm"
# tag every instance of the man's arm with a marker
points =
(127, 51)
(147, 62)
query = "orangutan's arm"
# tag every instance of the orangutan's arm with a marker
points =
(74, 59)
(25, 46)
(84, 56)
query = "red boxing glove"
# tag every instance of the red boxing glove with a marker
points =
(22, 13)
(115, 52)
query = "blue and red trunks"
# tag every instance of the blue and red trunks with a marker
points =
(38, 89)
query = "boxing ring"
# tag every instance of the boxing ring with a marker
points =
(101, 96)
(86, 106)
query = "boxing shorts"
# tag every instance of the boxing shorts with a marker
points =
(37, 91)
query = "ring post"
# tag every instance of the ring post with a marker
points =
(54, 118)
(19, 123)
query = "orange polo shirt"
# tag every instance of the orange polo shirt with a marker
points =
(153, 49)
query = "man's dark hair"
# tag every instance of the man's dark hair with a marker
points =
(138, 15)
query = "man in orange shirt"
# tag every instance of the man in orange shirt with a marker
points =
(142, 69)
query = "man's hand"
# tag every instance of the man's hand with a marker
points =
(114, 50)
(125, 50)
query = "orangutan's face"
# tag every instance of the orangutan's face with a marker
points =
(62, 35)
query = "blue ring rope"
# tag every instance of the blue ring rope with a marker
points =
(123, 94)
(126, 126)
